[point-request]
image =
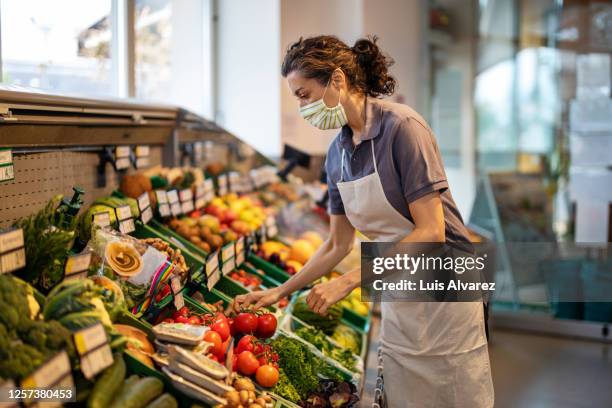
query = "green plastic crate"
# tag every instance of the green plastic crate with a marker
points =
(357, 320)
(174, 237)
(266, 280)
(273, 271)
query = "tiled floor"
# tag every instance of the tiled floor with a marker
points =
(533, 371)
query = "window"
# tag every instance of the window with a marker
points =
(61, 46)
(153, 36)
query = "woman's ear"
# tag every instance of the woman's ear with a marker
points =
(339, 80)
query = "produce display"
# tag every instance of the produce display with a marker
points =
(173, 338)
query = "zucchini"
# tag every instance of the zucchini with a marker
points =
(164, 401)
(127, 384)
(56, 300)
(140, 394)
(326, 323)
(107, 385)
(81, 320)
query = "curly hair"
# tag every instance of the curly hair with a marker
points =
(364, 64)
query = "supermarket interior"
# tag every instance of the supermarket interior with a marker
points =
(181, 224)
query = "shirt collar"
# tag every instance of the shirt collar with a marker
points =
(372, 125)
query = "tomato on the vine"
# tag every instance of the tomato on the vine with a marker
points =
(181, 319)
(214, 338)
(246, 343)
(266, 325)
(222, 328)
(195, 320)
(267, 375)
(246, 323)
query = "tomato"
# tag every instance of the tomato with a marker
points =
(168, 320)
(184, 311)
(214, 338)
(266, 325)
(262, 360)
(245, 344)
(195, 320)
(246, 323)
(222, 328)
(224, 348)
(213, 357)
(235, 362)
(181, 319)
(247, 363)
(267, 376)
(259, 348)
(283, 303)
(232, 326)
(274, 357)
(220, 317)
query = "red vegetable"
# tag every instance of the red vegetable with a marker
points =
(247, 363)
(246, 343)
(195, 320)
(222, 328)
(181, 319)
(266, 325)
(214, 338)
(246, 323)
(267, 376)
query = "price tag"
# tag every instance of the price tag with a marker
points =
(239, 258)
(102, 219)
(53, 373)
(272, 231)
(197, 152)
(122, 151)
(234, 182)
(176, 286)
(142, 162)
(240, 245)
(92, 345)
(162, 197)
(172, 196)
(176, 209)
(227, 252)
(145, 208)
(122, 163)
(213, 279)
(186, 195)
(127, 226)
(212, 263)
(209, 186)
(77, 266)
(199, 203)
(209, 196)
(7, 169)
(229, 266)
(164, 210)
(187, 207)
(10, 240)
(222, 181)
(142, 151)
(200, 190)
(12, 261)
(124, 212)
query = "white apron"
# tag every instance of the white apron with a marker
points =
(434, 353)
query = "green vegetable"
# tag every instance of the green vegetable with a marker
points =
(318, 339)
(19, 360)
(81, 320)
(133, 294)
(126, 385)
(298, 364)
(347, 338)
(107, 385)
(164, 401)
(140, 394)
(285, 388)
(326, 323)
(47, 246)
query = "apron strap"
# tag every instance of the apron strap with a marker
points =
(373, 156)
(342, 167)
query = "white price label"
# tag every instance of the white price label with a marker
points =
(175, 284)
(209, 196)
(142, 151)
(229, 266)
(12, 261)
(101, 219)
(176, 209)
(127, 226)
(186, 195)
(122, 151)
(90, 338)
(96, 361)
(143, 201)
(123, 212)
(200, 190)
(10, 240)
(212, 263)
(162, 197)
(122, 163)
(142, 162)
(77, 263)
(172, 196)
(92, 345)
(213, 279)
(240, 245)
(7, 172)
(6, 156)
(146, 215)
(239, 258)
(52, 372)
(209, 185)
(164, 210)
(187, 207)
(227, 252)
(272, 231)
(199, 203)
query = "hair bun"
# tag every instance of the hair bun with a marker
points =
(375, 66)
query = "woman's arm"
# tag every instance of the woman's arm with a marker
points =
(428, 215)
(334, 249)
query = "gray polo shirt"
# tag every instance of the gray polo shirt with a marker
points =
(407, 157)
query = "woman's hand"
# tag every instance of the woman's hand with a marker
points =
(324, 295)
(259, 299)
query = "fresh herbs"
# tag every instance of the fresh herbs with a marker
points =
(297, 369)
(318, 339)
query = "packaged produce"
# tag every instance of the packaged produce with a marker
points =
(180, 333)
(197, 362)
(194, 390)
(198, 378)
(123, 259)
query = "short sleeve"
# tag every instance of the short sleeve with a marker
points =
(417, 160)
(332, 168)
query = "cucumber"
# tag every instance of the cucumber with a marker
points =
(140, 394)
(326, 323)
(127, 384)
(164, 401)
(108, 384)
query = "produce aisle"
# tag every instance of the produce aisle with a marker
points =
(118, 295)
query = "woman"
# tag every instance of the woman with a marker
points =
(385, 179)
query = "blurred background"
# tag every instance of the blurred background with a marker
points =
(517, 92)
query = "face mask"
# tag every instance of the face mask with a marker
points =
(322, 117)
